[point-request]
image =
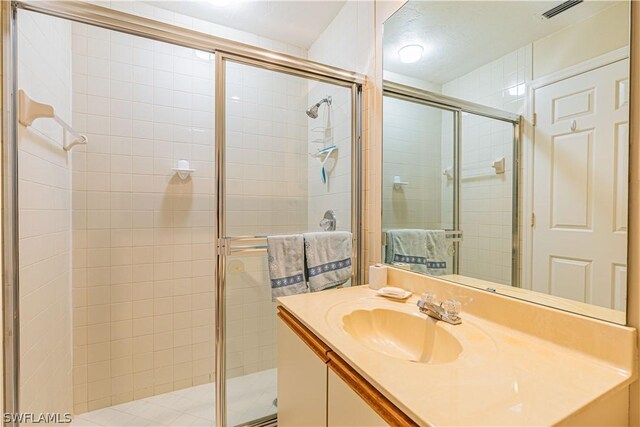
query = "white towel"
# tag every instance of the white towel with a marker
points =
(328, 257)
(285, 254)
(436, 252)
(407, 246)
(424, 250)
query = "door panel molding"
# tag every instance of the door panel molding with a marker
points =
(577, 194)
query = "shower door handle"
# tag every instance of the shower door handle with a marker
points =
(249, 245)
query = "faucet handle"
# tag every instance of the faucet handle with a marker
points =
(429, 297)
(452, 308)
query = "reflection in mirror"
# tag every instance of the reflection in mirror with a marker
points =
(419, 138)
(505, 148)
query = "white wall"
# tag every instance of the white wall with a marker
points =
(412, 81)
(347, 41)
(597, 35)
(44, 72)
(147, 10)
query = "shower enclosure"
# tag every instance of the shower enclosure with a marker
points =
(139, 258)
(467, 162)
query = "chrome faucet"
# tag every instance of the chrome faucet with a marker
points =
(447, 311)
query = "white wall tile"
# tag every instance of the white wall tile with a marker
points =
(45, 203)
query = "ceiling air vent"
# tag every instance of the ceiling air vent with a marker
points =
(560, 8)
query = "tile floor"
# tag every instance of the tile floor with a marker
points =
(249, 397)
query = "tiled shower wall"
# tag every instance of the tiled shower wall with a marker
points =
(44, 69)
(412, 151)
(143, 238)
(332, 127)
(486, 202)
(153, 296)
(266, 135)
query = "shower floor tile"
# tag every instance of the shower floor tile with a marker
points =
(249, 397)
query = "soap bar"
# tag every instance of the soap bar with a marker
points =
(377, 276)
(393, 292)
(402, 265)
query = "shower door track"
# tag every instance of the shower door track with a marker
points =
(457, 107)
(224, 50)
(448, 102)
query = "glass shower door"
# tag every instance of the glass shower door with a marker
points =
(419, 187)
(486, 199)
(275, 180)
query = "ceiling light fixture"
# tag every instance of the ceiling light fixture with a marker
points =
(410, 53)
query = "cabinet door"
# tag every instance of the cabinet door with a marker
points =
(346, 408)
(302, 382)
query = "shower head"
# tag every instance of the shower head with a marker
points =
(313, 110)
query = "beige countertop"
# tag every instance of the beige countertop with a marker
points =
(502, 377)
(582, 308)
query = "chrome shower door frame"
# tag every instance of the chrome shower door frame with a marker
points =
(459, 106)
(10, 234)
(224, 50)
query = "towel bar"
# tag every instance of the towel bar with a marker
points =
(245, 245)
(450, 235)
(30, 110)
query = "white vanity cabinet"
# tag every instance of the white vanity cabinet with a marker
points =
(317, 388)
(346, 409)
(302, 381)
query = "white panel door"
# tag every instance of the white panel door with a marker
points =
(580, 187)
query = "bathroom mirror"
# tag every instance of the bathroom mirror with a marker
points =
(505, 148)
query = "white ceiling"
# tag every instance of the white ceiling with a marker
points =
(464, 35)
(298, 23)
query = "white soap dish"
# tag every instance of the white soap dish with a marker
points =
(183, 169)
(393, 292)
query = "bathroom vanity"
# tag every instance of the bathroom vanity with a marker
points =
(350, 357)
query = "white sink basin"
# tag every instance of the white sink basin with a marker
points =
(412, 337)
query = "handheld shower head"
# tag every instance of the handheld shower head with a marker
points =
(312, 111)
